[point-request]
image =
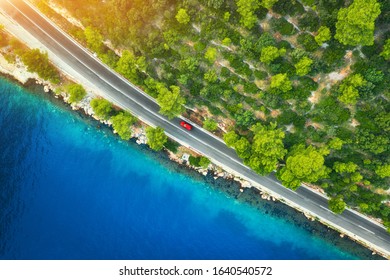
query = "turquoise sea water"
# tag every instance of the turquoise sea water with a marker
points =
(71, 191)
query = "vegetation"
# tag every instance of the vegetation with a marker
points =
(38, 62)
(102, 108)
(355, 25)
(210, 125)
(303, 164)
(121, 123)
(76, 93)
(156, 138)
(310, 111)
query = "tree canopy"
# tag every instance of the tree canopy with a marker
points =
(121, 122)
(337, 205)
(129, 66)
(348, 89)
(323, 35)
(356, 23)
(303, 165)
(247, 9)
(38, 62)
(386, 50)
(170, 101)
(94, 39)
(281, 82)
(76, 93)
(303, 66)
(156, 138)
(267, 148)
(102, 108)
(182, 16)
(270, 53)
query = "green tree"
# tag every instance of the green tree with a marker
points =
(267, 148)
(170, 101)
(386, 50)
(373, 143)
(38, 62)
(243, 148)
(226, 16)
(102, 108)
(204, 162)
(210, 124)
(336, 143)
(211, 54)
(341, 167)
(348, 89)
(303, 66)
(122, 123)
(383, 170)
(129, 66)
(76, 93)
(337, 204)
(281, 82)
(194, 161)
(270, 53)
(303, 165)
(323, 35)
(230, 138)
(211, 76)
(247, 9)
(356, 23)
(216, 4)
(268, 3)
(156, 138)
(226, 41)
(182, 16)
(94, 39)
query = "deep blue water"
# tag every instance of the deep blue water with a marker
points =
(71, 191)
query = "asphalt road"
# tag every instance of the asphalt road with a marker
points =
(124, 94)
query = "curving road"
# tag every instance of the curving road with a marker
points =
(126, 95)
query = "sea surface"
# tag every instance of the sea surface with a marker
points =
(72, 190)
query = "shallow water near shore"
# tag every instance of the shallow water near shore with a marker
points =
(71, 190)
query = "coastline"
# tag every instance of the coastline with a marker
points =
(227, 184)
(138, 135)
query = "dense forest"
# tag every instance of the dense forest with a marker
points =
(296, 87)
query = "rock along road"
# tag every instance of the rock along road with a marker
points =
(127, 96)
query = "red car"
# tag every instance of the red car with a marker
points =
(186, 125)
